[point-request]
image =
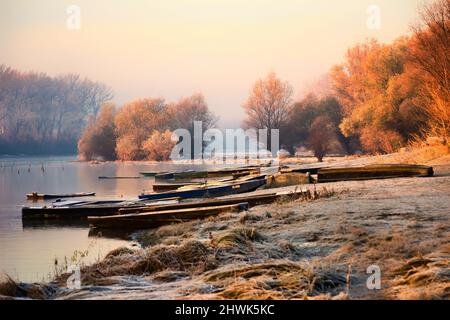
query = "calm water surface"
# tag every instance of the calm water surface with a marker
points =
(28, 250)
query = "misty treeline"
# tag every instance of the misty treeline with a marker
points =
(43, 114)
(142, 129)
(380, 98)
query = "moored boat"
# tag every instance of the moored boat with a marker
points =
(252, 200)
(375, 171)
(117, 177)
(212, 191)
(36, 195)
(163, 187)
(192, 174)
(158, 218)
(151, 173)
(287, 179)
(307, 168)
(82, 209)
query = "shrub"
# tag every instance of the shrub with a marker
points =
(159, 146)
(98, 139)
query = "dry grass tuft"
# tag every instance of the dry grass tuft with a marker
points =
(192, 256)
(250, 217)
(8, 287)
(157, 236)
(12, 289)
(119, 251)
(237, 238)
(276, 280)
(417, 154)
(422, 278)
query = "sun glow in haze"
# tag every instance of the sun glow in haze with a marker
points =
(177, 47)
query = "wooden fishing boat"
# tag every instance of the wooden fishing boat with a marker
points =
(170, 186)
(232, 171)
(376, 171)
(82, 209)
(307, 168)
(36, 196)
(158, 218)
(116, 177)
(192, 174)
(163, 187)
(287, 179)
(214, 191)
(151, 173)
(252, 200)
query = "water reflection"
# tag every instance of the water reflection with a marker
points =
(53, 223)
(28, 248)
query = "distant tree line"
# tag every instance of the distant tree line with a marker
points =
(142, 129)
(381, 97)
(43, 114)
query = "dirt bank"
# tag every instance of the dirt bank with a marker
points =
(316, 249)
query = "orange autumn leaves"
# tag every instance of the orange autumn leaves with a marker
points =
(141, 129)
(393, 92)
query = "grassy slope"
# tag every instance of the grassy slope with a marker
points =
(316, 249)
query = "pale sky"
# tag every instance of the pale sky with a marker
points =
(174, 48)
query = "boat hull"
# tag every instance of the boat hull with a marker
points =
(74, 212)
(151, 173)
(287, 179)
(218, 191)
(158, 218)
(163, 187)
(373, 172)
(36, 196)
(252, 200)
(207, 174)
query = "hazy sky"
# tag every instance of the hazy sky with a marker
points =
(173, 48)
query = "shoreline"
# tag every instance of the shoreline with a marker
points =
(318, 249)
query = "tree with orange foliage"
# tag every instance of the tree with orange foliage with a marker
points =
(135, 122)
(430, 52)
(379, 93)
(268, 105)
(188, 110)
(159, 146)
(98, 140)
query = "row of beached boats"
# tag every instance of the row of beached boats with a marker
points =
(178, 201)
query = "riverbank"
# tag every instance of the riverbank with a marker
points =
(312, 248)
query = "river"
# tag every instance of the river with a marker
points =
(28, 251)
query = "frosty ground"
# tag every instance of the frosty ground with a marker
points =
(316, 248)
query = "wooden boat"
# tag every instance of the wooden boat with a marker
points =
(308, 168)
(158, 218)
(116, 177)
(192, 174)
(36, 196)
(82, 209)
(287, 179)
(214, 191)
(252, 200)
(163, 187)
(164, 176)
(376, 171)
(151, 173)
